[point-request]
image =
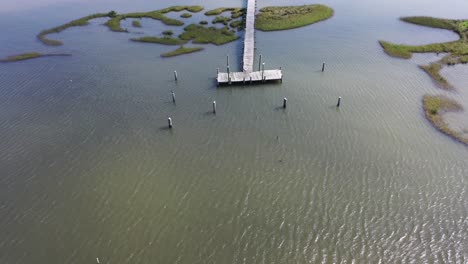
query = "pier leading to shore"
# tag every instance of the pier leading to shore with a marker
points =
(248, 75)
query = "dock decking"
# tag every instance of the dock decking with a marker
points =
(248, 75)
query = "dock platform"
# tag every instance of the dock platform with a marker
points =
(248, 75)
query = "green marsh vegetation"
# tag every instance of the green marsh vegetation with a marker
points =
(164, 40)
(180, 51)
(203, 22)
(74, 23)
(136, 23)
(168, 33)
(222, 20)
(30, 55)
(114, 22)
(456, 52)
(204, 35)
(186, 15)
(288, 17)
(435, 107)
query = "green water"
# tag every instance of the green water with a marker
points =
(88, 168)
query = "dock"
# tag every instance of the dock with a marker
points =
(248, 75)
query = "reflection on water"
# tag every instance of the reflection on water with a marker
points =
(86, 170)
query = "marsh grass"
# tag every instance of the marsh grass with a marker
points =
(30, 55)
(222, 20)
(433, 70)
(163, 40)
(74, 23)
(287, 17)
(136, 23)
(186, 15)
(181, 50)
(434, 107)
(205, 35)
(457, 50)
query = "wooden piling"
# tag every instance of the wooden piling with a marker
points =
(259, 62)
(173, 97)
(175, 75)
(323, 67)
(214, 107)
(169, 122)
(285, 101)
(339, 102)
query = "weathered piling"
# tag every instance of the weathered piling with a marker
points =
(214, 107)
(173, 97)
(323, 67)
(169, 122)
(259, 61)
(285, 101)
(175, 75)
(339, 102)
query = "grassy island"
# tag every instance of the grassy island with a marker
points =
(204, 35)
(186, 15)
(114, 22)
(435, 107)
(75, 23)
(457, 50)
(164, 40)
(181, 50)
(222, 20)
(288, 17)
(30, 55)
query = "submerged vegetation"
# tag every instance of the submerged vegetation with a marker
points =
(181, 50)
(435, 107)
(287, 17)
(164, 40)
(30, 55)
(203, 35)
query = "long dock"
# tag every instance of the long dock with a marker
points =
(248, 75)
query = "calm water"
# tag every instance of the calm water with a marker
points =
(88, 169)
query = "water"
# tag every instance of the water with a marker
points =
(88, 168)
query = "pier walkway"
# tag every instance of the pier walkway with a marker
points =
(248, 75)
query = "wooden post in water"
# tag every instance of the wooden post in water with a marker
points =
(227, 60)
(214, 107)
(169, 122)
(339, 102)
(263, 71)
(173, 97)
(97, 261)
(175, 75)
(259, 62)
(285, 101)
(250, 79)
(323, 67)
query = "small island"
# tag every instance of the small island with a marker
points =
(181, 50)
(288, 17)
(435, 107)
(30, 55)
(456, 53)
